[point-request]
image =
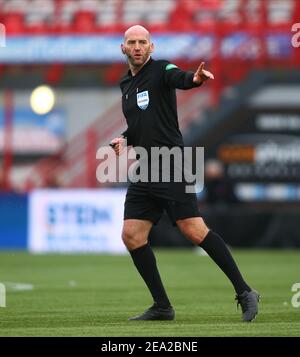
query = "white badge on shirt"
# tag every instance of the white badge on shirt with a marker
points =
(142, 99)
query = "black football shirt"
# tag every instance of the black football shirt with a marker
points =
(149, 104)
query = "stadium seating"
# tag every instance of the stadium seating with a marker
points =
(86, 16)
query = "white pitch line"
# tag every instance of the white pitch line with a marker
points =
(13, 286)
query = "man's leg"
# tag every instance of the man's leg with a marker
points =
(135, 236)
(196, 230)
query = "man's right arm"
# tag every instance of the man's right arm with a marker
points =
(125, 133)
(118, 144)
(126, 136)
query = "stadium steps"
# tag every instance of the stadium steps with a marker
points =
(75, 165)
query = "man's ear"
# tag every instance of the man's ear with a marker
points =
(123, 49)
(151, 48)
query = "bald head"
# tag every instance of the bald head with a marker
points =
(137, 30)
(137, 47)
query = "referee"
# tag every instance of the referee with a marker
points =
(149, 106)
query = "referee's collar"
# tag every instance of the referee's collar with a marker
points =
(146, 65)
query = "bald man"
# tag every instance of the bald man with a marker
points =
(149, 106)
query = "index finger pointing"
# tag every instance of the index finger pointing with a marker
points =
(200, 68)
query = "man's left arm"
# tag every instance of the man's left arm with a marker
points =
(176, 78)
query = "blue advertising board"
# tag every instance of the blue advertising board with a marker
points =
(13, 221)
(106, 48)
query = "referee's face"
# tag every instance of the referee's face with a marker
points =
(137, 48)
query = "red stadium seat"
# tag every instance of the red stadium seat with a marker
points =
(14, 23)
(84, 22)
(108, 16)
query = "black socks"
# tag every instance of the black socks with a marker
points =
(145, 262)
(216, 248)
(213, 244)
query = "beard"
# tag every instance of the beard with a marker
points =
(138, 62)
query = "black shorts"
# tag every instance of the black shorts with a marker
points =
(147, 201)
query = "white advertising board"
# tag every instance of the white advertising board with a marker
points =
(76, 221)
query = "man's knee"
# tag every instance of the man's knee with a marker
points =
(194, 229)
(132, 240)
(134, 235)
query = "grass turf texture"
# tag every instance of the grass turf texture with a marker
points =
(93, 295)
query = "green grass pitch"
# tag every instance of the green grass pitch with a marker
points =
(93, 295)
